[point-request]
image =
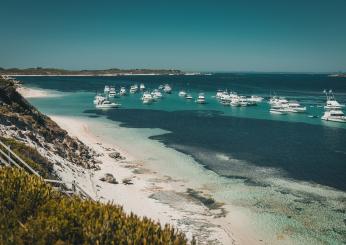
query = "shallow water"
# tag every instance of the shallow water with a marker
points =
(286, 172)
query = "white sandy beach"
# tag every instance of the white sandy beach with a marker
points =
(35, 93)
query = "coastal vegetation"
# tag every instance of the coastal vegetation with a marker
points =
(113, 71)
(32, 212)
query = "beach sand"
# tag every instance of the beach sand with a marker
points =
(34, 93)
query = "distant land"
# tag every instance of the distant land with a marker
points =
(338, 75)
(39, 71)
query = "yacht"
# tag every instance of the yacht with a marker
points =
(243, 101)
(188, 97)
(106, 89)
(219, 94)
(200, 99)
(235, 102)
(134, 89)
(122, 91)
(296, 107)
(331, 103)
(142, 87)
(278, 100)
(167, 89)
(279, 108)
(147, 98)
(98, 97)
(112, 92)
(255, 98)
(182, 93)
(278, 111)
(156, 94)
(106, 104)
(335, 116)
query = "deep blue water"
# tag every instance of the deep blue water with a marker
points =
(305, 152)
(298, 147)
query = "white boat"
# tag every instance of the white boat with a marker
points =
(331, 103)
(112, 92)
(134, 89)
(106, 104)
(296, 107)
(156, 94)
(200, 98)
(334, 115)
(278, 100)
(255, 98)
(182, 93)
(98, 98)
(142, 87)
(122, 91)
(106, 89)
(167, 89)
(243, 101)
(235, 102)
(147, 98)
(161, 87)
(219, 94)
(278, 111)
(188, 97)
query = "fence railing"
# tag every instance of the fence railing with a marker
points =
(10, 158)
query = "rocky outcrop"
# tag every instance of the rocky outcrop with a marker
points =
(20, 120)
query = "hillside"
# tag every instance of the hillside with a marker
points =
(21, 121)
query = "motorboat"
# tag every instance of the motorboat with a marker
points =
(331, 103)
(334, 115)
(256, 99)
(278, 111)
(134, 89)
(161, 87)
(296, 107)
(98, 97)
(235, 102)
(106, 89)
(219, 94)
(147, 98)
(141, 87)
(112, 93)
(201, 98)
(182, 93)
(156, 94)
(278, 100)
(243, 101)
(188, 97)
(122, 91)
(167, 89)
(106, 104)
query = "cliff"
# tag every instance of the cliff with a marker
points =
(23, 122)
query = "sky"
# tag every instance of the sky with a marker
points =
(242, 35)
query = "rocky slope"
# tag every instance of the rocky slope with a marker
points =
(23, 122)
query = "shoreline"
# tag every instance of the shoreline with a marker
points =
(152, 194)
(156, 196)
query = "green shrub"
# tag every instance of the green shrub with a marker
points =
(31, 212)
(30, 156)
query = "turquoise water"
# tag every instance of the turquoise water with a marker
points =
(288, 171)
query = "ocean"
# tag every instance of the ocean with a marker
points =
(288, 171)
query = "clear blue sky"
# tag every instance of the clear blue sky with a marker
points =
(263, 35)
